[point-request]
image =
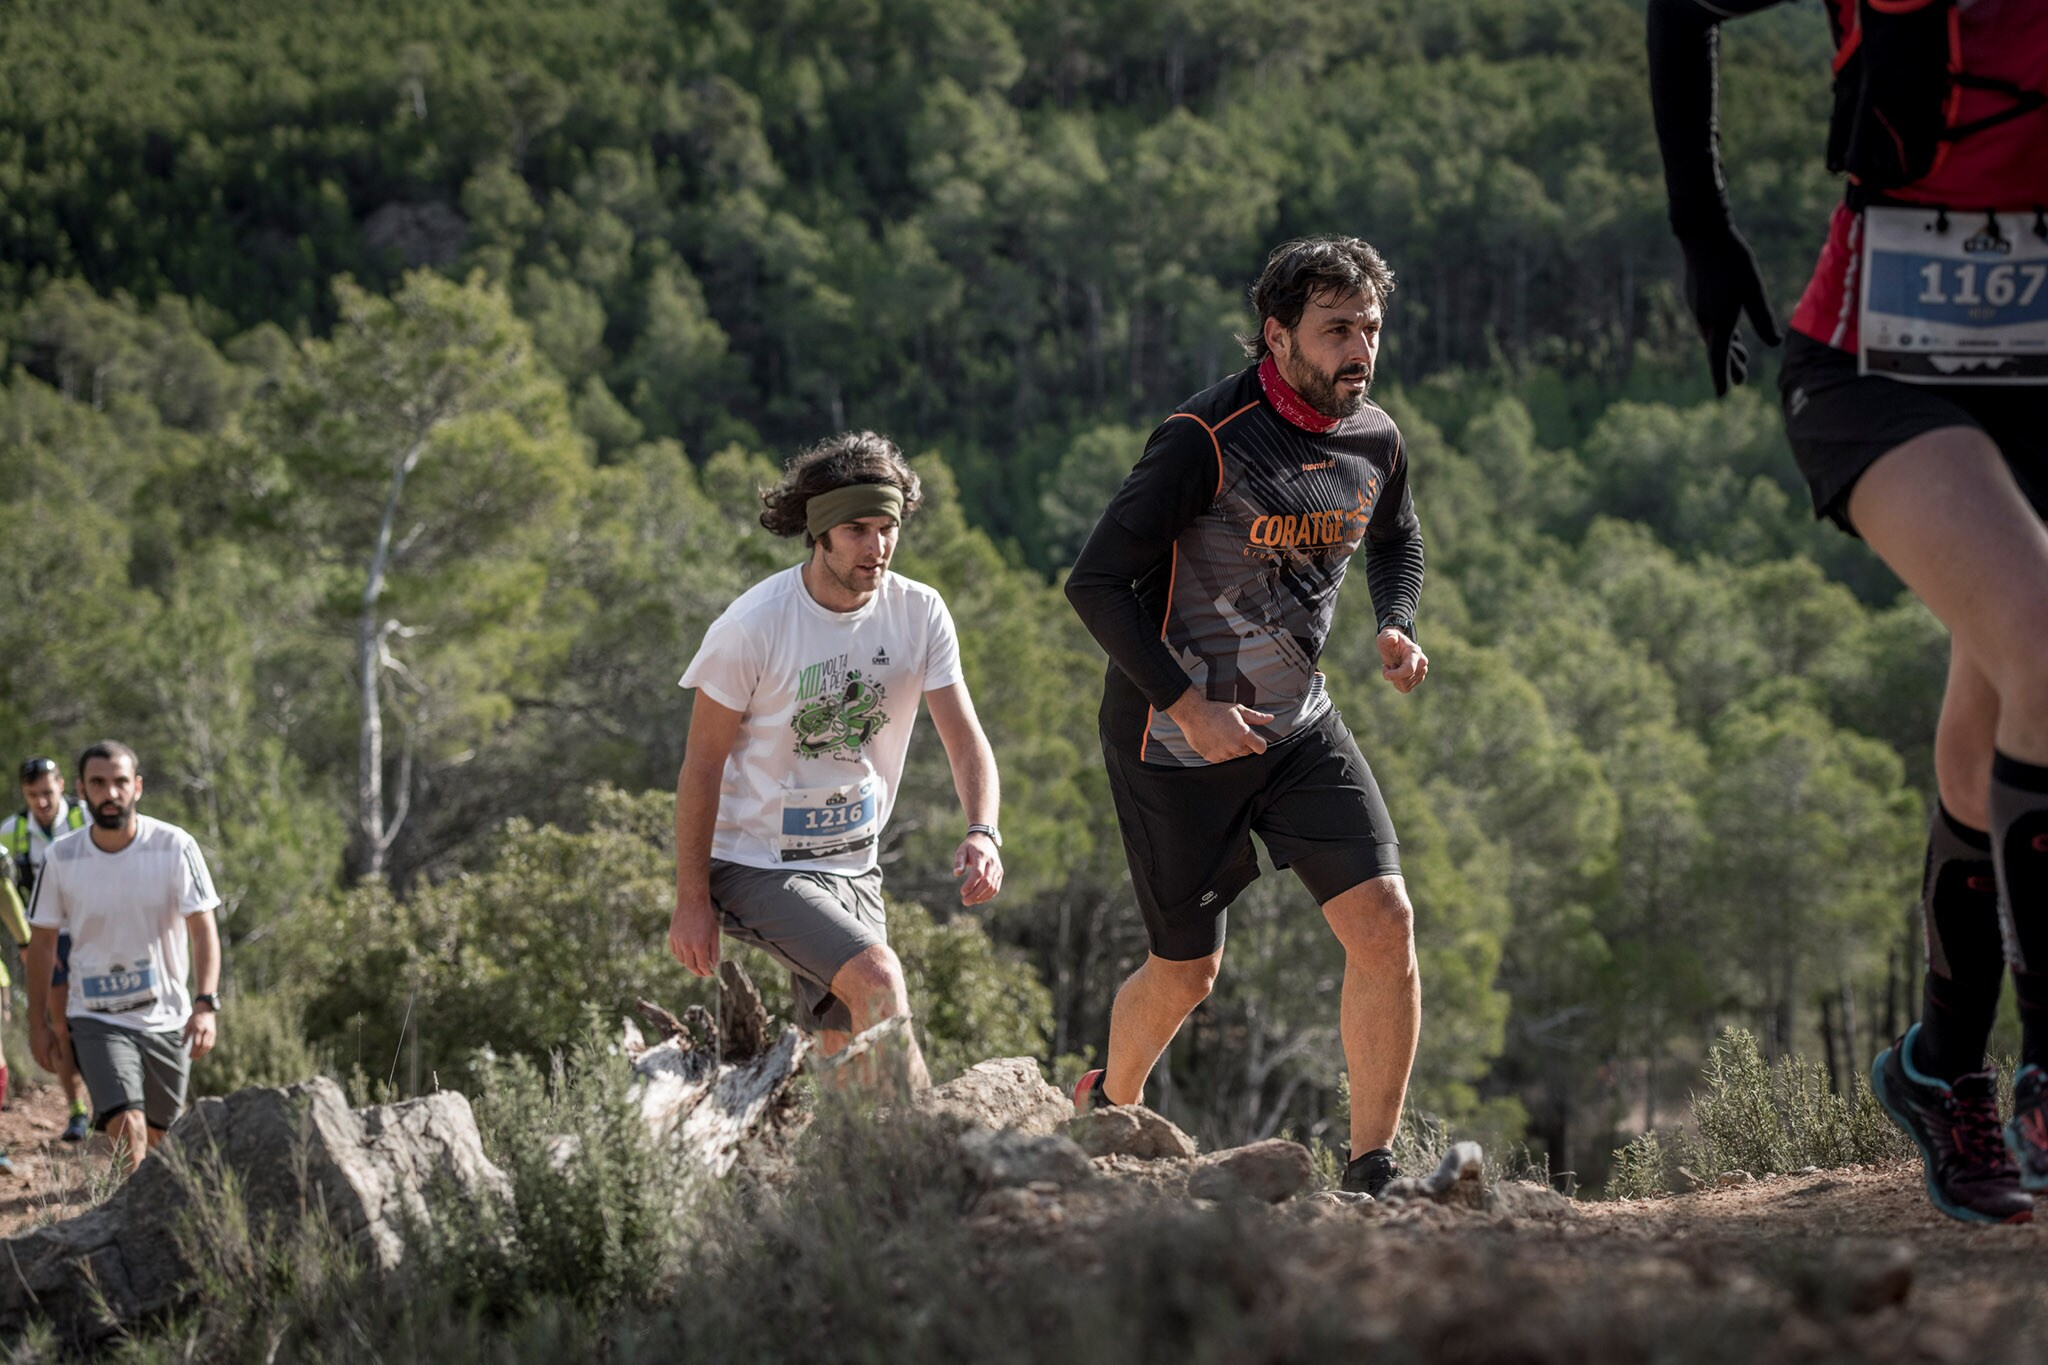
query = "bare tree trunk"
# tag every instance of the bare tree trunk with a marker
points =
(1849, 1048)
(375, 831)
(1827, 1042)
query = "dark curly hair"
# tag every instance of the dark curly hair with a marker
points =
(1313, 268)
(850, 457)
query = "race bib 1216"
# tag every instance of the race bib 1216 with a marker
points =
(824, 822)
(1954, 298)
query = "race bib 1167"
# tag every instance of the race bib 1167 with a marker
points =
(1954, 298)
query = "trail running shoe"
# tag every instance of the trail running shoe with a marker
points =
(1369, 1174)
(78, 1128)
(6, 1164)
(2026, 1137)
(1088, 1093)
(1970, 1176)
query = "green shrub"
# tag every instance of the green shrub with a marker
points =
(1771, 1118)
(262, 1041)
(597, 1204)
(1641, 1169)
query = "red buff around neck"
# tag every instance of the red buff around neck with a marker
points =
(1291, 405)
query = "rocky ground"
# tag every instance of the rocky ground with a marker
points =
(1841, 1265)
(1846, 1264)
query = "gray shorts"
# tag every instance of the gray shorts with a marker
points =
(128, 1069)
(813, 923)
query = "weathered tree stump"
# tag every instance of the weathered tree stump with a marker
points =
(708, 1102)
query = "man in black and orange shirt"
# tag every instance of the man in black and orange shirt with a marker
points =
(1211, 582)
(1914, 385)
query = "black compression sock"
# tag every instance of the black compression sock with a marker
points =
(2019, 843)
(1965, 960)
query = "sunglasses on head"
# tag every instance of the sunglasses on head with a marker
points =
(36, 767)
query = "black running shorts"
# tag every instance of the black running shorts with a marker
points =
(1839, 422)
(1187, 831)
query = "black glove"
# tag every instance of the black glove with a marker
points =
(1721, 284)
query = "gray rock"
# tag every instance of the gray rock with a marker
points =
(292, 1151)
(1130, 1130)
(1340, 1199)
(1729, 1180)
(1008, 1092)
(1271, 1172)
(1000, 1160)
(1526, 1199)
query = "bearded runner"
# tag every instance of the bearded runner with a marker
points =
(1211, 581)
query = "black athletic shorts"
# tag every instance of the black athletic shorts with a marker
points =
(1187, 831)
(1839, 422)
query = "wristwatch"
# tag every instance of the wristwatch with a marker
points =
(211, 1002)
(995, 836)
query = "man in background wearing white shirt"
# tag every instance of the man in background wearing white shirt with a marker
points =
(807, 687)
(135, 897)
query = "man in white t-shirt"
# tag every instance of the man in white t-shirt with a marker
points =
(807, 687)
(132, 892)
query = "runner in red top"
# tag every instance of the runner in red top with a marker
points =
(1915, 385)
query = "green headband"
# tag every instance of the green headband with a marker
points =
(850, 503)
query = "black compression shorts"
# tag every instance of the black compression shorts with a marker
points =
(1187, 831)
(1840, 422)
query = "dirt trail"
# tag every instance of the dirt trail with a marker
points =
(1847, 1264)
(52, 1178)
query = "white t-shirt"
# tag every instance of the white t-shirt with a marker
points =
(126, 913)
(829, 699)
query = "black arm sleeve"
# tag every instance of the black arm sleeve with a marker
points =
(1685, 47)
(1393, 552)
(1173, 483)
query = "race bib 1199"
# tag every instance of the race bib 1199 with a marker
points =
(120, 989)
(1954, 298)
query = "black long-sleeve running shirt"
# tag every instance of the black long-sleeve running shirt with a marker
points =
(1218, 562)
(1684, 38)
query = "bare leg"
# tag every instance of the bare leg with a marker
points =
(872, 986)
(1381, 1015)
(129, 1132)
(1943, 511)
(67, 1069)
(1149, 1010)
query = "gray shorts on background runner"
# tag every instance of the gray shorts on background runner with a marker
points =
(130, 1069)
(813, 923)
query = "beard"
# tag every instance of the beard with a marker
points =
(112, 814)
(1321, 392)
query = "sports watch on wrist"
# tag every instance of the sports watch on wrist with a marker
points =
(211, 1001)
(995, 836)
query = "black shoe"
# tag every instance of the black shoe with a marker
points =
(1955, 1125)
(2026, 1137)
(1369, 1174)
